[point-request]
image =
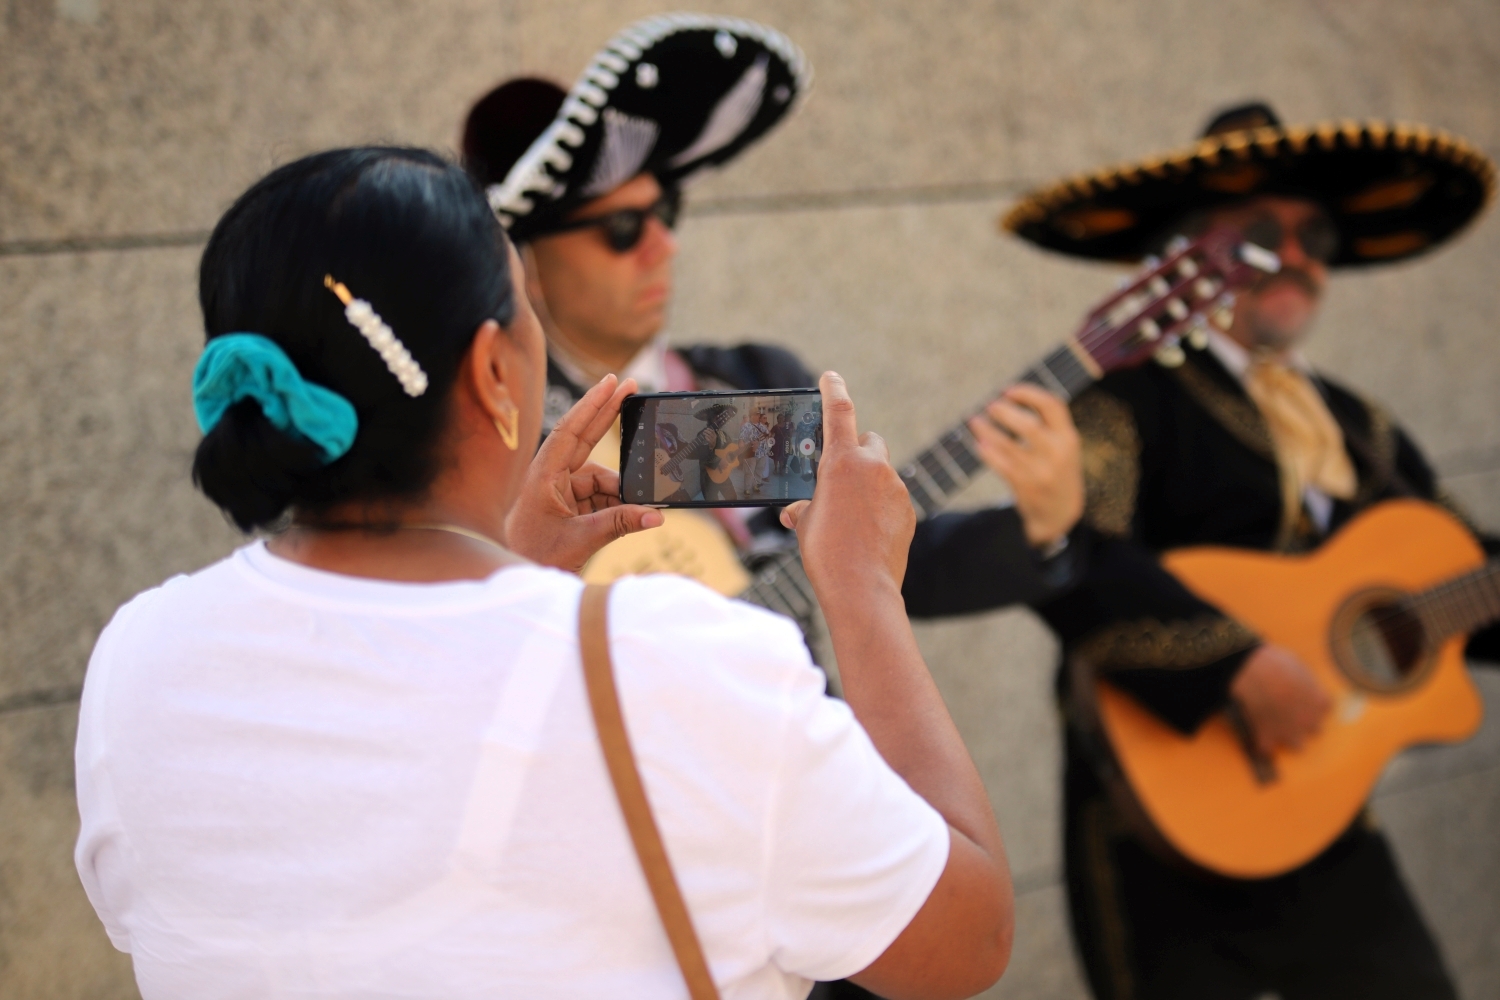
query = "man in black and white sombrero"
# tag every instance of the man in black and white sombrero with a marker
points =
(1238, 441)
(588, 184)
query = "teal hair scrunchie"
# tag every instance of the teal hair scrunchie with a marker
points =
(240, 366)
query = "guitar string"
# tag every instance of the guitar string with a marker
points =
(1430, 617)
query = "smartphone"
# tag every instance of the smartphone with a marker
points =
(720, 449)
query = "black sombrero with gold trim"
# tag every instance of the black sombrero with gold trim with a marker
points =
(669, 95)
(1393, 190)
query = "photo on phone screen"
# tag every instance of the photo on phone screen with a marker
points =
(720, 449)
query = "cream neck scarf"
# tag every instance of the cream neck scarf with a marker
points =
(1308, 441)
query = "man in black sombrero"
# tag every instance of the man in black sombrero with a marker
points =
(712, 448)
(1239, 443)
(588, 184)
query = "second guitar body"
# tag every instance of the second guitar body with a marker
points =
(1203, 792)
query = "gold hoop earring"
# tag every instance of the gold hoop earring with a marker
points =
(510, 427)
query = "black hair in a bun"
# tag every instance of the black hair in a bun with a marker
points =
(403, 229)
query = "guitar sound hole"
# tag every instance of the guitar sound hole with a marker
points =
(1388, 646)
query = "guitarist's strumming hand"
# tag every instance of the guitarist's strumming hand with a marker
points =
(1029, 441)
(1280, 698)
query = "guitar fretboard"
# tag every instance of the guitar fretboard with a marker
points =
(952, 462)
(1459, 606)
(933, 477)
(781, 584)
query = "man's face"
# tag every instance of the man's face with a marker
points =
(1276, 312)
(605, 302)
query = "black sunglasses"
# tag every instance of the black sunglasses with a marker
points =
(1317, 234)
(624, 228)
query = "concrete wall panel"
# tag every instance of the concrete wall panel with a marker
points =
(862, 234)
(97, 435)
(151, 116)
(959, 93)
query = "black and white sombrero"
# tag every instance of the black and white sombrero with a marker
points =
(668, 95)
(1393, 190)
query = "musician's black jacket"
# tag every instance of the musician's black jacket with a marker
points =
(962, 562)
(1179, 457)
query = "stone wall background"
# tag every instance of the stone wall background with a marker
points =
(862, 234)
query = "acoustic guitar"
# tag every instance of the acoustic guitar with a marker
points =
(1171, 298)
(724, 462)
(1379, 614)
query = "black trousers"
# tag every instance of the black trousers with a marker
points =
(1342, 926)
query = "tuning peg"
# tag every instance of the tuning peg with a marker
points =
(1197, 334)
(1151, 263)
(1176, 245)
(1170, 355)
(1223, 313)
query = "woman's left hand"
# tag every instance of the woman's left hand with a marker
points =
(569, 507)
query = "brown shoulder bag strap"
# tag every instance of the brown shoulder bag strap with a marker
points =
(604, 700)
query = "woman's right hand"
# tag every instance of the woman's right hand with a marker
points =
(859, 523)
(854, 535)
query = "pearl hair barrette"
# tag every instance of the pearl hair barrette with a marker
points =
(363, 317)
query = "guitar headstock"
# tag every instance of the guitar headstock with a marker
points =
(1177, 296)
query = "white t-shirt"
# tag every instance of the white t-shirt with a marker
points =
(299, 784)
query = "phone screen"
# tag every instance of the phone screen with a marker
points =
(720, 449)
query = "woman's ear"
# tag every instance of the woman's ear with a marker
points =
(490, 368)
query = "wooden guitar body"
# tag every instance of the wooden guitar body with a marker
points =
(1201, 792)
(728, 460)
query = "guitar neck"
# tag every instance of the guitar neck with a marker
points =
(781, 584)
(952, 462)
(1461, 605)
(936, 474)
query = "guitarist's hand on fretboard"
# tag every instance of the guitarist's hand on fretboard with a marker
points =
(1029, 440)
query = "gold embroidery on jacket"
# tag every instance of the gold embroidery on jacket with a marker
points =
(1175, 645)
(1111, 457)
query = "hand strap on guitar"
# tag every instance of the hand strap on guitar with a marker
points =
(604, 701)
